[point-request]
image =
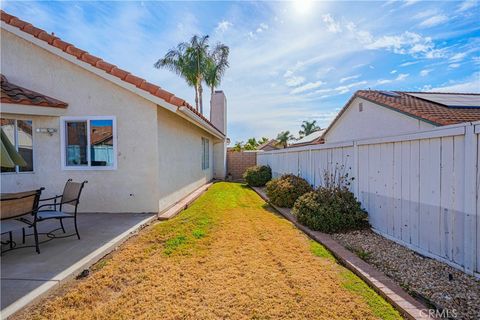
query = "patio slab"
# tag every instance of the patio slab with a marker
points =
(25, 275)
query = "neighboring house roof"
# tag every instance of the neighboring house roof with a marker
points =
(12, 93)
(270, 144)
(313, 138)
(100, 64)
(102, 135)
(423, 105)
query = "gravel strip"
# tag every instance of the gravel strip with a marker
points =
(441, 284)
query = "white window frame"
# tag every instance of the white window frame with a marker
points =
(87, 167)
(15, 137)
(205, 153)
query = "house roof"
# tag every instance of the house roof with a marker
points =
(271, 142)
(431, 111)
(100, 64)
(312, 138)
(12, 93)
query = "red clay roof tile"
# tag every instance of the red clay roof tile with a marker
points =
(117, 72)
(11, 93)
(88, 58)
(136, 81)
(105, 66)
(60, 44)
(100, 64)
(150, 87)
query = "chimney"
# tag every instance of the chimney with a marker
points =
(218, 117)
(218, 111)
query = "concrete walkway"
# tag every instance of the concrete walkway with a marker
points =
(25, 275)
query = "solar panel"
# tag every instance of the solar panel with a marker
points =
(451, 100)
(390, 94)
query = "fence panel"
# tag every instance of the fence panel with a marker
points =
(417, 188)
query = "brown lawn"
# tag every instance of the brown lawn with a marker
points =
(226, 257)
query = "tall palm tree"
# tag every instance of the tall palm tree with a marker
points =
(283, 138)
(188, 60)
(308, 127)
(216, 66)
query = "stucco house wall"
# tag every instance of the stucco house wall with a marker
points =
(373, 121)
(158, 152)
(180, 158)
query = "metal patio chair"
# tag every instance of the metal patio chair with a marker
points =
(16, 210)
(71, 197)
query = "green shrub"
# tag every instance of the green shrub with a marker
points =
(257, 176)
(330, 210)
(284, 191)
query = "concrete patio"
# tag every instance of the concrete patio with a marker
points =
(25, 274)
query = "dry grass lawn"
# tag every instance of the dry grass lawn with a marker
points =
(226, 257)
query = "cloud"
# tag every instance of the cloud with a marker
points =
(406, 64)
(458, 56)
(393, 71)
(400, 77)
(410, 2)
(470, 85)
(425, 72)
(223, 26)
(332, 25)
(294, 81)
(307, 87)
(342, 80)
(465, 5)
(434, 21)
(454, 65)
(329, 92)
(407, 43)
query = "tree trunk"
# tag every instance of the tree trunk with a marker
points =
(200, 93)
(212, 88)
(196, 97)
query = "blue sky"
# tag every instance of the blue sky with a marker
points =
(290, 61)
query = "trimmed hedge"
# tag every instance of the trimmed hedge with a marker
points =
(330, 210)
(284, 191)
(257, 176)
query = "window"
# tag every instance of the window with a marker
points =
(20, 134)
(205, 154)
(89, 143)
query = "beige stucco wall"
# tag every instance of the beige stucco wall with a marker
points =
(373, 121)
(156, 153)
(180, 158)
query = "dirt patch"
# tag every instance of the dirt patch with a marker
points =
(227, 256)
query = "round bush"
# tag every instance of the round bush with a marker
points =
(284, 191)
(330, 210)
(257, 176)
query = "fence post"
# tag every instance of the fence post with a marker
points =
(355, 170)
(470, 223)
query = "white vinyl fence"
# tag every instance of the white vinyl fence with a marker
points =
(420, 189)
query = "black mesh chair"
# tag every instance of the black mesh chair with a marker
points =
(15, 212)
(70, 197)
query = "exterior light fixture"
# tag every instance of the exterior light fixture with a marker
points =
(50, 131)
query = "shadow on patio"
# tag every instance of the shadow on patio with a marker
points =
(23, 270)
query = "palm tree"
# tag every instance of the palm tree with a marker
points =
(238, 146)
(251, 144)
(308, 128)
(283, 138)
(216, 66)
(263, 140)
(189, 60)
